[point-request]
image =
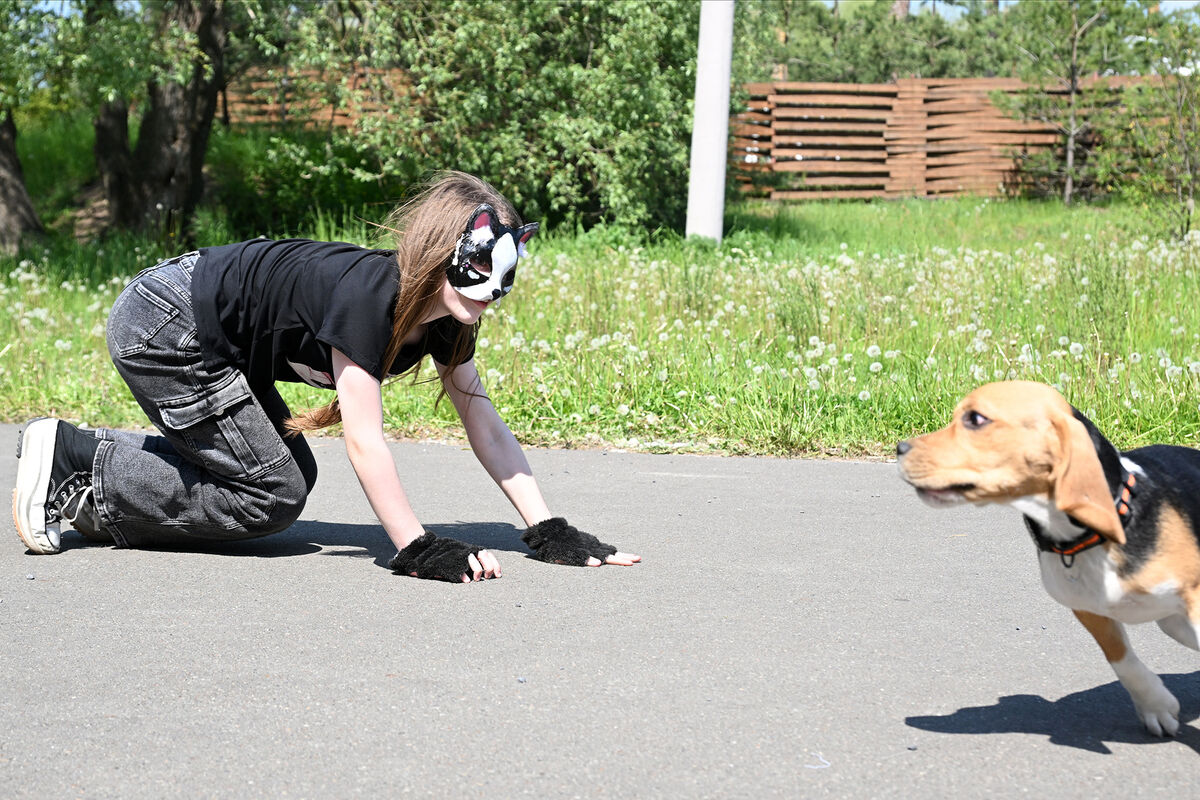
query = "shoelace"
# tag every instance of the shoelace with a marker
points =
(68, 497)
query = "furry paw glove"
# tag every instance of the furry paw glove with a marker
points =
(557, 542)
(436, 557)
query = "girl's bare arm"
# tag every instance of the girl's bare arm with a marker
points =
(362, 424)
(498, 450)
(493, 443)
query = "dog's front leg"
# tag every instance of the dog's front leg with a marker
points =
(1157, 707)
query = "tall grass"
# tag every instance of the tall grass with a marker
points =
(823, 328)
(56, 154)
(782, 340)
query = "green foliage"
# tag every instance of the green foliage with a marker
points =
(580, 111)
(104, 52)
(1151, 140)
(25, 53)
(56, 151)
(263, 179)
(1063, 43)
(864, 43)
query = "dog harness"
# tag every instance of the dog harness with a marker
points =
(1088, 539)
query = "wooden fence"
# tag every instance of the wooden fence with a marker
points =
(297, 99)
(911, 138)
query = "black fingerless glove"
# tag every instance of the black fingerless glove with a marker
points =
(556, 542)
(436, 557)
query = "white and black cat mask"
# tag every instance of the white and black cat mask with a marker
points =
(484, 263)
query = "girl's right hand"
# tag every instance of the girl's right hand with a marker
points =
(441, 558)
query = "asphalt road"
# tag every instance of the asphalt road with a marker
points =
(796, 629)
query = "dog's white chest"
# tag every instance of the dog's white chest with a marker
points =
(1091, 584)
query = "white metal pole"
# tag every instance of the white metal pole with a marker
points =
(710, 122)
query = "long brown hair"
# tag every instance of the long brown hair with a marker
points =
(424, 231)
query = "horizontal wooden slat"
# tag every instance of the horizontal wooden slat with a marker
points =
(825, 88)
(838, 180)
(757, 89)
(984, 160)
(958, 103)
(746, 143)
(822, 140)
(751, 131)
(830, 152)
(840, 99)
(825, 194)
(967, 171)
(821, 166)
(793, 126)
(797, 113)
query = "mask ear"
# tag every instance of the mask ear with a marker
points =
(1080, 488)
(524, 234)
(483, 217)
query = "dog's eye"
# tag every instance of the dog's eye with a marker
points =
(973, 420)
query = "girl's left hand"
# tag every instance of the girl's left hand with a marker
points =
(618, 559)
(556, 541)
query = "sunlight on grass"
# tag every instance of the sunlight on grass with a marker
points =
(783, 340)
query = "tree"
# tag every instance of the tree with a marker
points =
(580, 111)
(1062, 42)
(168, 57)
(24, 33)
(1151, 141)
(868, 46)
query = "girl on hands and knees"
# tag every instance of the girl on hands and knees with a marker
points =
(201, 339)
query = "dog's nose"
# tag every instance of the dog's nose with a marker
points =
(903, 448)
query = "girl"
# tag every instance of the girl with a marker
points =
(201, 339)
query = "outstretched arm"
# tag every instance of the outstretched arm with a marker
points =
(362, 423)
(493, 443)
(500, 453)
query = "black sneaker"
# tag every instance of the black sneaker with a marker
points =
(54, 480)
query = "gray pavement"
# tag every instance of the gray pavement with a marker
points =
(797, 629)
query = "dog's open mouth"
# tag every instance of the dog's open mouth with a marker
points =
(949, 496)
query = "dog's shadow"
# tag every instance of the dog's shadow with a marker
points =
(1086, 720)
(307, 537)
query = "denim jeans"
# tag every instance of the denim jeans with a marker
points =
(221, 470)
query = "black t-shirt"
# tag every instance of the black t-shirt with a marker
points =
(275, 308)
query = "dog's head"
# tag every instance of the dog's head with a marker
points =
(1008, 441)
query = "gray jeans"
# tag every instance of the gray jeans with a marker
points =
(221, 470)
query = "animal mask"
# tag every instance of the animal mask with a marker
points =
(484, 263)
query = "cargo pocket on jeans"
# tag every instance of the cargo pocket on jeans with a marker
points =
(135, 318)
(228, 430)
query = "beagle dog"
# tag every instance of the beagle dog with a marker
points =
(1116, 532)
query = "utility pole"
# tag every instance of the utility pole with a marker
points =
(710, 121)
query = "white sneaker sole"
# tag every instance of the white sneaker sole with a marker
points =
(35, 459)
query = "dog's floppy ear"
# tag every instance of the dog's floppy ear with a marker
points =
(1080, 488)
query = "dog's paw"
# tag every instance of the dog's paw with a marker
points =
(1159, 711)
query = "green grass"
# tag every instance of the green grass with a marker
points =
(823, 329)
(57, 160)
